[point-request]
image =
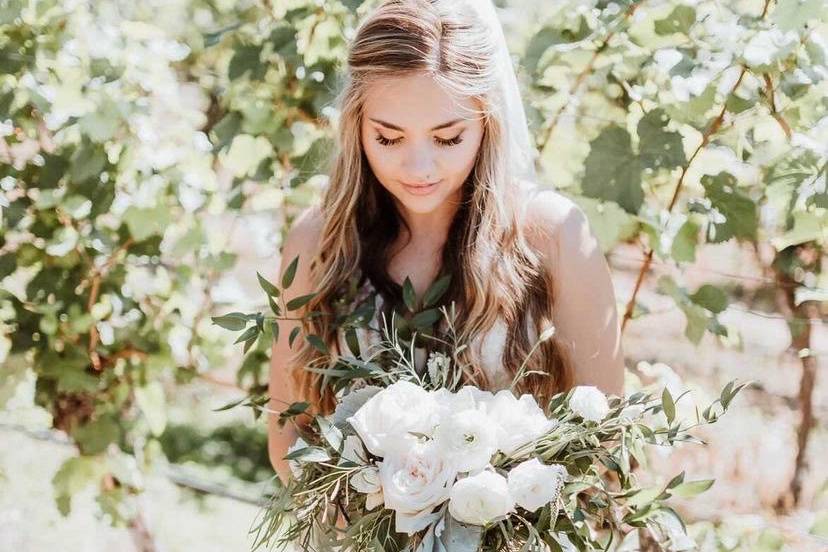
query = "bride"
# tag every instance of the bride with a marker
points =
(433, 175)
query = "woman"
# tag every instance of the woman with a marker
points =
(432, 176)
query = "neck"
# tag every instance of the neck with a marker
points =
(429, 228)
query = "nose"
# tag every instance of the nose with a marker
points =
(420, 164)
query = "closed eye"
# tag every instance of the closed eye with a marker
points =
(393, 142)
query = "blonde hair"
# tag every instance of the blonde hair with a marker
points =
(498, 272)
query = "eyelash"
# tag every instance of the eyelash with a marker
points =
(446, 143)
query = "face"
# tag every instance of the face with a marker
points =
(420, 141)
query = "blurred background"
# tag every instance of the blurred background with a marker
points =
(153, 154)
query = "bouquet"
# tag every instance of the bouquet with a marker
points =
(421, 462)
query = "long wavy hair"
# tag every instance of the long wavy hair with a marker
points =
(494, 271)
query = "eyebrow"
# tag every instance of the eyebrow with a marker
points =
(395, 127)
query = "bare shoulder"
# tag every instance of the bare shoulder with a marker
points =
(307, 226)
(302, 240)
(553, 220)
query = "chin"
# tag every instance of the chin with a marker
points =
(421, 204)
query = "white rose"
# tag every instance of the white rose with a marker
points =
(467, 398)
(519, 421)
(589, 403)
(534, 485)
(480, 498)
(414, 483)
(467, 439)
(384, 421)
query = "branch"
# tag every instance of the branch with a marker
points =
(648, 259)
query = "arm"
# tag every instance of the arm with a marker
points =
(584, 311)
(300, 241)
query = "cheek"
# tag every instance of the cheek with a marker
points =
(380, 159)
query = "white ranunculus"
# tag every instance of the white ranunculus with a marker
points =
(481, 498)
(414, 482)
(589, 403)
(518, 421)
(467, 439)
(385, 420)
(467, 398)
(534, 485)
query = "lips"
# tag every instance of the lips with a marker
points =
(420, 184)
(421, 189)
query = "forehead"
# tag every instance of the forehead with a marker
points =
(416, 102)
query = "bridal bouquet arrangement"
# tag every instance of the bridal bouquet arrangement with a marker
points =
(420, 462)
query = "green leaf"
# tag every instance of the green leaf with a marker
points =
(150, 399)
(644, 497)
(738, 210)
(610, 223)
(409, 297)
(74, 475)
(693, 488)
(613, 171)
(436, 291)
(234, 321)
(685, 242)
(273, 306)
(231, 404)
(330, 432)
(677, 480)
(270, 289)
(808, 226)
(251, 333)
(8, 264)
(668, 405)
(87, 163)
(71, 379)
(425, 319)
(352, 341)
(244, 60)
(549, 36)
(317, 343)
(680, 20)
(146, 222)
(309, 454)
(659, 148)
(710, 297)
(245, 154)
(274, 331)
(290, 273)
(299, 302)
(250, 342)
(459, 537)
(293, 334)
(94, 437)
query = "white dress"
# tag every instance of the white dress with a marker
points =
(489, 345)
